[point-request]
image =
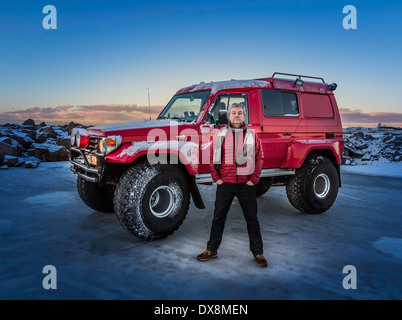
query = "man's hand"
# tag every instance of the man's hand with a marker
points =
(250, 183)
(219, 182)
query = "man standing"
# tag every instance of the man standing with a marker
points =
(236, 166)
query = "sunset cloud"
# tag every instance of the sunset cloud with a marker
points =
(357, 117)
(85, 114)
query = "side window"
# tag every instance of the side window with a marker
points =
(223, 102)
(279, 103)
(317, 106)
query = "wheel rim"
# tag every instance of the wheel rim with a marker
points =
(161, 202)
(322, 185)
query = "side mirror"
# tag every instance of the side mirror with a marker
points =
(223, 117)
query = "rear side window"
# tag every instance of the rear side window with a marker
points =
(317, 106)
(279, 103)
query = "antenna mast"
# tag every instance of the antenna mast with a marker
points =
(149, 106)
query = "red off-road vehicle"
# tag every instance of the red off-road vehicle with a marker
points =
(147, 171)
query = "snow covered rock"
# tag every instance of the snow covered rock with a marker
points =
(9, 146)
(363, 145)
(12, 142)
(22, 138)
(28, 162)
(45, 133)
(70, 127)
(28, 144)
(29, 122)
(31, 164)
(10, 161)
(49, 151)
(64, 141)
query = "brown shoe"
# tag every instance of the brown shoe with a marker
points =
(262, 262)
(206, 255)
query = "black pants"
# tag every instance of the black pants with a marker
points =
(248, 202)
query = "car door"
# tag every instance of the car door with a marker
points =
(207, 130)
(281, 116)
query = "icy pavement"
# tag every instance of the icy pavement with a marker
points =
(44, 222)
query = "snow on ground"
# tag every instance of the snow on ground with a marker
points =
(375, 168)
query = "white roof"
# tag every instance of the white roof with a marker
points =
(232, 84)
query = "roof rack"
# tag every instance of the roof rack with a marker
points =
(297, 75)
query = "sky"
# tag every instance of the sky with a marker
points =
(97, 66)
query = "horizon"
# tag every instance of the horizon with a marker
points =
(104, 56)
(53, 122)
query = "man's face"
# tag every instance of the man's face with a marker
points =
(236, 117)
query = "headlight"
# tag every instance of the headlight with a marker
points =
(73, 133)
(82, 138)
(79, 138)
(109, 144)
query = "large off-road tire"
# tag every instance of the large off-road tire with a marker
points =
(314, 187)
(94, 196)
(262, 187)
(152, 201)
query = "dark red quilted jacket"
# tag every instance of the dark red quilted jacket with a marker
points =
(230, 171)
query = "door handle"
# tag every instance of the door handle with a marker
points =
(287, 134)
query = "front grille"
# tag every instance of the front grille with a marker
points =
(80, 160)
(92, 147)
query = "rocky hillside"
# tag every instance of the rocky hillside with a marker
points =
(363, 145)
(28, 144)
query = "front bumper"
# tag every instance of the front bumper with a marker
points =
(82, 168)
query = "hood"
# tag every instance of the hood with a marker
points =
(131, 128)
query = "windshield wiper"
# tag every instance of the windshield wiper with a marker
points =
(177, 118)
(173, 118)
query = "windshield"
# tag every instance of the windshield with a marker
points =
(186, 106)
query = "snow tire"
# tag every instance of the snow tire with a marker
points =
(152, 201)
(262, 187)
(94, 196)
(314, 187)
